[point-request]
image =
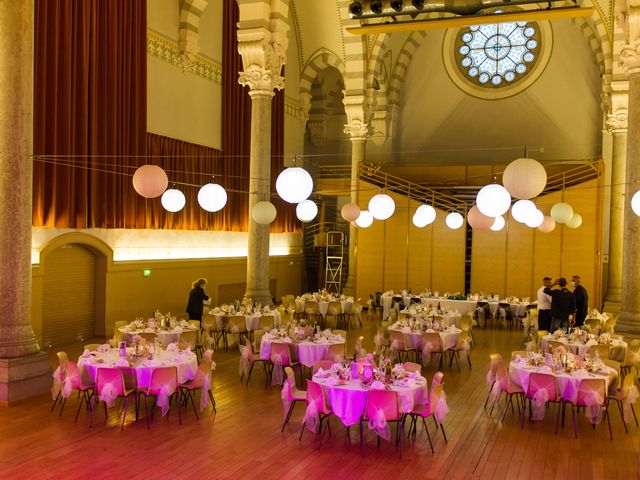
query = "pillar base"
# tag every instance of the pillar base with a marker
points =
(261, 297)
(612, 306)
(24, 377)
(628, 325)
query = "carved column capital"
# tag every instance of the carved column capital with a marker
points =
(355, 106)
(630, 58)
(617, 121)
(262, 67)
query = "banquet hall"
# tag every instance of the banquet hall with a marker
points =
(271, 238)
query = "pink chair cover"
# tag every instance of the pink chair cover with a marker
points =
(466, 348)
(246, 358)
(58, 379)
(427, 348)
(163, 384)
(378, 423)
(378, 341)
(285, 395)
(204, 394)
(592, 400)
(311, 416)
(441, 408)
(538, 402)
(632, 395)
(109, 384)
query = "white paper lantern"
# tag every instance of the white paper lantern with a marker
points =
(534, 219)
(294, 184)
(350, 211)
(173, 200)
(635, 203)
(364, 220)
(548, 225)
(263, 213)
(562, 212)
(381, 206)
(575, 221)
(150, 181)
(498, 224)
(493, 200)
(454, 220)
(212, 197)
(520, 210)
(306, 211)
(524, 178)
(425, 214)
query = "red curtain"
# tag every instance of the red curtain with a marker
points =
(89, 112)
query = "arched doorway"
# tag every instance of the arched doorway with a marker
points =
(69, 295)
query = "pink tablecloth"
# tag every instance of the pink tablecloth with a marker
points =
(186, 362)
(306, 352)
(348, 401)
(567, 383)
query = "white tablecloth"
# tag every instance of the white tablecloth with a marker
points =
(186, 362)
(251, 321)
(448, 337)
(617, 348)
(306, 352)
(348, 401)
(517, 309)
(164, 336)
(323, 306)
(567, 383)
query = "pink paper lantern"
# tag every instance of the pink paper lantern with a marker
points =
(478, 221)
(150, 181)
(350, 212)
(548, 224)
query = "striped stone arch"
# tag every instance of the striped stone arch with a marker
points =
(402, 64)
(355, 53)
(190, 13)
(587, 29)
(319, 61)
(378, 50)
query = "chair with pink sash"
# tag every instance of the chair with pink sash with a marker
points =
(592, 395)
(335, 352)
(503, 385)
(247, 361)
(413, 367)
(200, 382)
(461, 350)
(437, 408)
(290, 395)
(380, 409)
(626, 397)
(541, 390)
(494, 359)
(431, 344)
(317, 413)
(281, 357)
(163, 385)
(68, 378)
(109, 387)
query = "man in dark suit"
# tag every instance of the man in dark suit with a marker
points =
(582, 300)
(563, 304)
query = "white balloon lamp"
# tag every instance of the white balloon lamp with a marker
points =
(294, 184)
(173, 200)
(381, 206)
(306, 210)
(498, 224)
(454, 220)
(562, 212)
(524, 178)
(493, 200)
(575, 221)
(263, 213)
(635, 203)
(520, 210)
(534, 219)
(425, 215)
(365, 219)
(212, 197)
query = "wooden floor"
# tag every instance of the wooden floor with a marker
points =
(244, 441)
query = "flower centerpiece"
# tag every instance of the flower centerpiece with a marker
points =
(398, 372)
(341, 372)
(535, 359)
(593, 364)
(137, 324)
(605, 338)
(457, 296)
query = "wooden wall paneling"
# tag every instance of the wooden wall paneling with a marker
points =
(518, 259)
(448, 256)
(488, 261)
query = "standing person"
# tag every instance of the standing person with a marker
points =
(563, 304)
(544, 306)
(196, 299)
(582, 300)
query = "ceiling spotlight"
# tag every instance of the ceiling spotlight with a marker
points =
(418, 4)
(397, 5)
(355, 9)
(376, 6)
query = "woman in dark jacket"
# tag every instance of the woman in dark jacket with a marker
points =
(196, 299)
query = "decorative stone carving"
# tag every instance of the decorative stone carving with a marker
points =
(617, 121)
(630, 58)
(317, 131)
(355, 106)
(357, 130)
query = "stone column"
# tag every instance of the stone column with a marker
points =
(357, 130)
(23, 370)
(629, 319)
(262, 43)
(617, 125)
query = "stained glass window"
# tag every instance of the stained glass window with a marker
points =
(498, 54)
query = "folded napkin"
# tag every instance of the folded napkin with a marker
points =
(377, 385)
(122, 362)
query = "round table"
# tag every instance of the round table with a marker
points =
(448, 337)
(185, 361)
(453, 317)
(323, 305)
(251, 321)
(348, 401)
(305, 351)
(617, 348)
(567, 383)
(165, 336)
(517, 309)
